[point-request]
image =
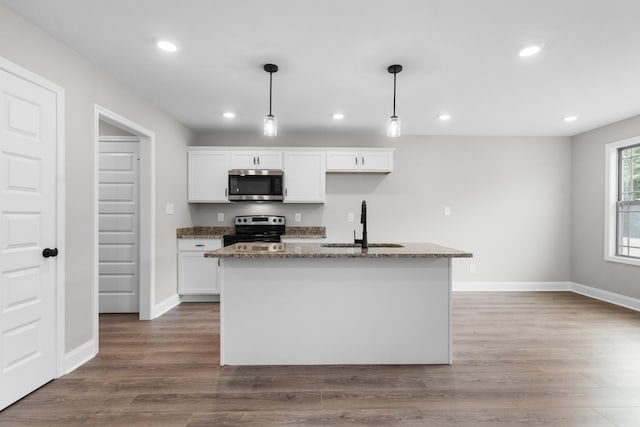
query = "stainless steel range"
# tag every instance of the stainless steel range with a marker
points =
(256, 228)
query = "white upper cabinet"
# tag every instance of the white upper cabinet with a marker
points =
(366, 160)
(376, 161)
(304, 177)
(342, 161)
(304, 169)
(256, 160)
(208, 175)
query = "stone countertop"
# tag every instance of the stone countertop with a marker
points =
(305, 233)
(318, 250)
(203, 232)
(218, 232)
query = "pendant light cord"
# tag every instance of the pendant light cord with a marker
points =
(271, 90)
(394, 93)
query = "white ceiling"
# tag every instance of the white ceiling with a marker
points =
(459, 57)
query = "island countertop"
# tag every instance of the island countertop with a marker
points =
(307, 232)
(319, 250)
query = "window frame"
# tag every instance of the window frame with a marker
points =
(612, 192)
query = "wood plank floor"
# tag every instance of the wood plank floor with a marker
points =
(538, 358)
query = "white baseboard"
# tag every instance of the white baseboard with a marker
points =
(610, 297)
(79, 356)
(164, 306)
(200, 298)
(511, 286)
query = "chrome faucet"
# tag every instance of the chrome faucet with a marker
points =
(363, 220)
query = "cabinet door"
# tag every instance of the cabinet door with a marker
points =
(243, 160)
(304, 177)
(376, 161)
(208, 173)
(269, 160)
(256, 160)
(198, 275)
(342, 161)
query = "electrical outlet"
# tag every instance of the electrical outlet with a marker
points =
(220, 216)
(350, 217)
(170, 209)
(472, 268)
(297, 217)
(447, 211)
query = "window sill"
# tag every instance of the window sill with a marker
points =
(623, 260)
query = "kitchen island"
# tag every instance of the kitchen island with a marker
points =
(308, 304)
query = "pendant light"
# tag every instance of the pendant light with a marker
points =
(393, 124)
(270, 121)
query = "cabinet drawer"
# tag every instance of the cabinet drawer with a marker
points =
(199, 244)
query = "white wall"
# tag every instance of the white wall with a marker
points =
(588, 183)
(85, 85)
(106, 129)
(509, 198)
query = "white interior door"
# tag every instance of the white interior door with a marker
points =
(119, 274)
(28, 144)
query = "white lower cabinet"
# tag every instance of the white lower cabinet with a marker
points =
(197, 275)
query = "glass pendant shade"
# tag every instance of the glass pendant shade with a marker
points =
(270, 122)
(270, 125)
(393, 126)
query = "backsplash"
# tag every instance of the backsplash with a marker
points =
(206, 215)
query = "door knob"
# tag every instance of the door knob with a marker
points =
(48, 252)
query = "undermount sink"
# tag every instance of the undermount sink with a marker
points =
(356, 245)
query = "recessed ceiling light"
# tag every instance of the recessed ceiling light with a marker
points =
(444, 117)
(228, 115)
(531, 49)
(570, 119)
(337, 116)
(166, 45)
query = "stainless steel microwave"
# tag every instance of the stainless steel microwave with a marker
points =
(256, 184)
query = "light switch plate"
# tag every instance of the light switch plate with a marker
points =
(350, 217)
(447, 211)
(220, 216)
(297, 217)
(170, 209)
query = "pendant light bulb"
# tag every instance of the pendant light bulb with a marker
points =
(270, 121)
(393, 124)
(270, 125)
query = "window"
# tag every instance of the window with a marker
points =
(628, 202)
(622, 214)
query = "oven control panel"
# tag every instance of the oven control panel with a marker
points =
(260, 220)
